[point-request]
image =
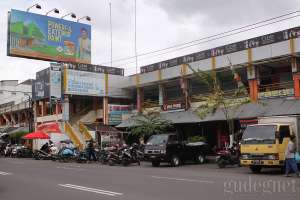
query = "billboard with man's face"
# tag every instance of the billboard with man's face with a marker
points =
(47, 38)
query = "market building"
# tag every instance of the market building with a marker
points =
(79, 94)
(15, 107)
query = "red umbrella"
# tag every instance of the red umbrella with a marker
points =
(36, 135)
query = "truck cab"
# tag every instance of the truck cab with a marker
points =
(263, 145)
(168, 148)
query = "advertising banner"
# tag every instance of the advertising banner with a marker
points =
(85, 83)
(42, 37)
(115, 113)
(55, 81)
(41, 86)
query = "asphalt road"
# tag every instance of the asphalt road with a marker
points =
(28, 179)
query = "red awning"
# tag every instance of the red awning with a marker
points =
(50, 127)
(36, 135)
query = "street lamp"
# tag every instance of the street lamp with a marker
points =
(37, 6)
(55, 10)
(87, 18)
(69, 14)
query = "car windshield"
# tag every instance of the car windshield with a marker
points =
(157, 139)
(259, 134)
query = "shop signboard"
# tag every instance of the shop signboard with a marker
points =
(95, 68)
(277, 93)
(85, 83)
(42, 37)
(226, 49)
(55, 80)
(115, 113)
(174, 106)
(40, 86)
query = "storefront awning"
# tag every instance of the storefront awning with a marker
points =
(268, 107)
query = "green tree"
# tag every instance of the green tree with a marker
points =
(217, 100)
(148, 124)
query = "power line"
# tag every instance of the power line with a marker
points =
(216, 38)
(208, 37)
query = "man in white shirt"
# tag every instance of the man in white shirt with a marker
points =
(290, 162)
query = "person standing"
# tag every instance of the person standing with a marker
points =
(91, 151)
(290, 162)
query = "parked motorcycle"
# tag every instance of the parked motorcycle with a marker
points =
(19, 151)
(125, 156)
(230, 156)
(42, 154)
(103, 156)
(131, 155)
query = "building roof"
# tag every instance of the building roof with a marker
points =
(268, 107)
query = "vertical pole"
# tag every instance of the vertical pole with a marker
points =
(135, 41)
(111, 44)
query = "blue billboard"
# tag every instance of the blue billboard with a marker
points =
(42, 37)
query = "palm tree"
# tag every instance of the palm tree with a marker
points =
(216, 100)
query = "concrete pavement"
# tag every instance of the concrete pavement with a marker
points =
(48, 180)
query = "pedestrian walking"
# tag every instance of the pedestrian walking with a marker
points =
(290, 161)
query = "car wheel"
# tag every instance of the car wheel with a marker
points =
(200, 158)
(155, 163)
(175, 161)
(255, 169)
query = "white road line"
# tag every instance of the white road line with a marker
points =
(94, 190)
(71, 168)
(183, 179)
(5, 173)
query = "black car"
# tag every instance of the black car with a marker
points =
(167, 148)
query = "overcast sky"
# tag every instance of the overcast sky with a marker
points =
(160, 24)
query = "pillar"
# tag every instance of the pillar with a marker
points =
(66, 108)
(184, 86)
(140, 99)
(44, 108)
(185, 92)
(105, 111)
(295, 64)
(13, 119)
(161, 95)
(252, 78)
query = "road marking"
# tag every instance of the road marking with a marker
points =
(183, 179)
(71, 168)
(94, 190)
(5, 173)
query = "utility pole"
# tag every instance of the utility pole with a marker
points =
(111, 44)
(135, 40)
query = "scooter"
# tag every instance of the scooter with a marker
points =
(103, 156)
(230, 156)
(131, 155)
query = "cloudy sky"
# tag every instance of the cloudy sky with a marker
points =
(160, 24)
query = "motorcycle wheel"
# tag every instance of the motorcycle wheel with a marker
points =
(221, 163)
(125, 163)
(110, 162)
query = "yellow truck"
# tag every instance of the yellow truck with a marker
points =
(263, 145)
